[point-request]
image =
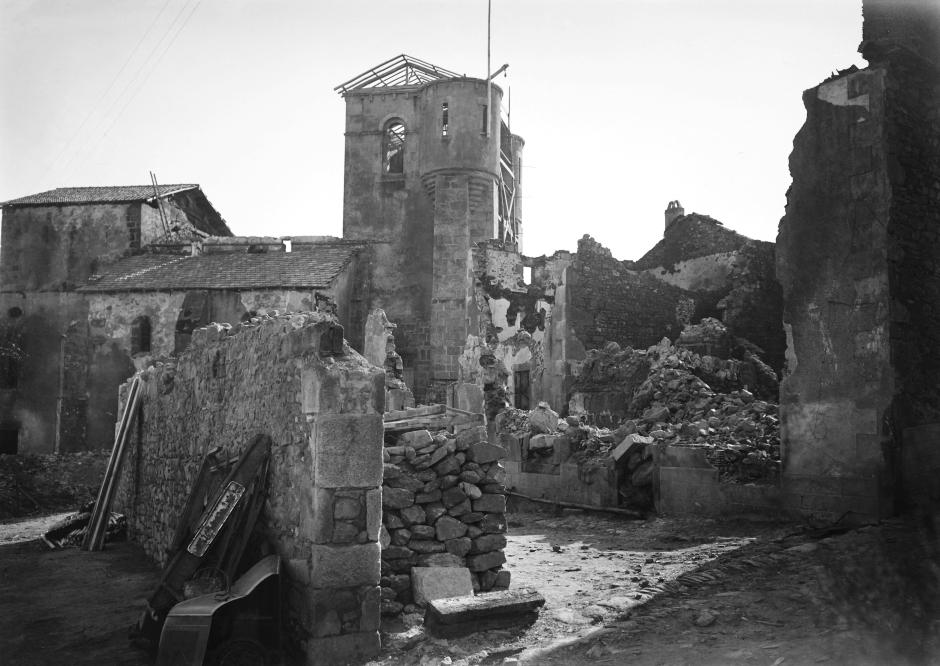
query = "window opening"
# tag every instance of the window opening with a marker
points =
(520, 380)
(485, 124)
(9, 440)
(394, 148)
(527, 274)
(140, 335)
(444, 119)
(9, 372)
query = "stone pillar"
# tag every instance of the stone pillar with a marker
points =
(451, 279)
(343, 402)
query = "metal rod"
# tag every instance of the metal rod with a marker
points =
(489, 85)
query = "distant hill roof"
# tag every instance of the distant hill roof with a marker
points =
(102, 194)
(402, 70)
(309, 266)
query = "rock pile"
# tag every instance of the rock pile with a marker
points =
(444, 505)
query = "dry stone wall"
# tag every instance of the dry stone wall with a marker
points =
(321, 403)
(444, 506)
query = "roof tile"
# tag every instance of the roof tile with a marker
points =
(103, 194)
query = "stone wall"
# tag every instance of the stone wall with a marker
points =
(689, 237)
(608, 301)
(445, 506)
(272, 376)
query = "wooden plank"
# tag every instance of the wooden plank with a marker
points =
(412, 412)
(459, 616)
(436, 422)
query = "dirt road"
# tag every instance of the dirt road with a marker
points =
(662, 591)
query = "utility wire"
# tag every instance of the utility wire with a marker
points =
(107, 91)
(132, 81)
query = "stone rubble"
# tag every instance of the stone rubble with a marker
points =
(444, 505)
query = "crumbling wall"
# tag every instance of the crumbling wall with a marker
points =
(274, 376)
(832, 264)
(688, 237)
(445, 506)
(607, 301)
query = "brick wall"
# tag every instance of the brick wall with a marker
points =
(323, 510)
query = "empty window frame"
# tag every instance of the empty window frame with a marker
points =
(393, 148)
(520, 380)
(9, 439)
(140, 335)
(444, 119)
(486, 124)
(9, 372)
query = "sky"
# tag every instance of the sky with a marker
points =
(624, 105)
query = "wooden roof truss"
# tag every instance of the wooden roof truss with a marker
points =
(402, 70)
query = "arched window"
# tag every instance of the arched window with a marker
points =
(393, 147)
(140, 335)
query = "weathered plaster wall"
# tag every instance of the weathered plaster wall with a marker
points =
(323, 510)
(58, 247)
(708, 273)
(832, 263)
(51, 330)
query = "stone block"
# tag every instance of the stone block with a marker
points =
(347, 450)
(413, 515)
(484, 453)
(418, 439)
(345, 508)
(425, 547)
(423, 531)
(321, 516)
(458, 547)
(370, 610)
(345, 566)
(449, 528)
(484, 561)
(470, 436)
(488, 543)
(397, 498)
(490, 503)
(429, 583)
(453, 496)
(449, 465)
(441, 560)
(373, 513)
(343, 649)
(470, 398)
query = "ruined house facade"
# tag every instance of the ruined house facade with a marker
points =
(857, 256)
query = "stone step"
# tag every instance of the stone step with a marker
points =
(459, 616)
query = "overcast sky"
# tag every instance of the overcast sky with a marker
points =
(624, 104)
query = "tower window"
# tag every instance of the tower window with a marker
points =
(393, 149)
(486, 125)
(444, 119)
(140, 335)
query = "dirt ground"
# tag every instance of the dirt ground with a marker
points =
(661, 591)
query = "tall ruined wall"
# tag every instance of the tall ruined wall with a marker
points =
(832, 263)
(688, 237)
(609, 302)
(913, 135)
(323, 510)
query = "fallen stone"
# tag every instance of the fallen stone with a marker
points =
(416, 438)
(459, 616)
(705, 619)
(430, 583)
(543, 419)
(470, 436)
(503, 578)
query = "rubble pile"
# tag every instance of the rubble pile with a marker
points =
(444, 505)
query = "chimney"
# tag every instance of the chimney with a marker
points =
(287, 244)
(673, 212)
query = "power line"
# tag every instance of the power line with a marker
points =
(133, 80)
(107, 91)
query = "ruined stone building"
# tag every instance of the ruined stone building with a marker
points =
(97, 282)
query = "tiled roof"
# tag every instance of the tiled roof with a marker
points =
(313, 266)
(104, 194)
